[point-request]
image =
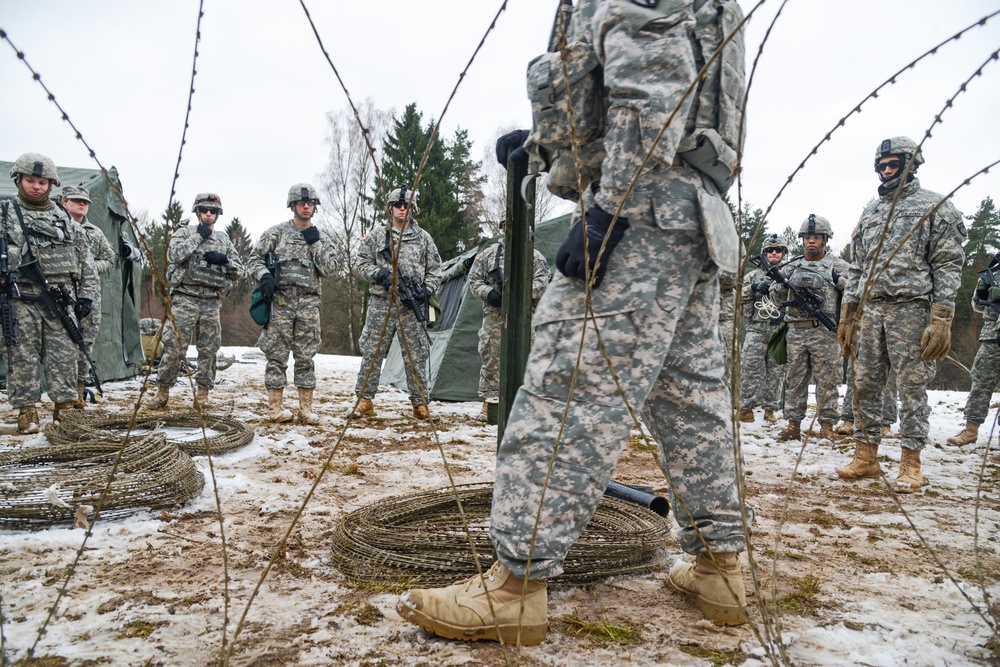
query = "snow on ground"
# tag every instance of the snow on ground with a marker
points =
(854, 581)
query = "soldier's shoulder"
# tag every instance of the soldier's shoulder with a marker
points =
(182, 232)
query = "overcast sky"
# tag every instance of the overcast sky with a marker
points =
(120, 68)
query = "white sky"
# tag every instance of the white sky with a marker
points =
(121, 68)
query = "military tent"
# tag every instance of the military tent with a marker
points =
(454, 358)
(118, 348)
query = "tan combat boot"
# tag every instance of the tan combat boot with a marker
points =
(769, 416)
(275, 412)
(61, 409)
(791, 432)
(909, 478)
(845, 427)
(482, 416)
(746, 415)
(715, 583)
(27, 420)
(306, 414)
(826, 430)
(864, 464)
(365, 409)
(421, 412)
(967, 435)
(886, 430)
(201, 398)
(160, 400)
(462, 611)
(81, 402)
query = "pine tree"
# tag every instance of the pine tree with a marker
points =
(240, 238)
(982, 243)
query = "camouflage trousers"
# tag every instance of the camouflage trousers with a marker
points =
(489, 353)
(198, 324)
(889, 337)
(294, 328)
(760, 375)
(985, 380)
(813, 352)
(659, 323)
(43, 340)
(373, 353)
(890, 411)
(726, 336)
(89, 326)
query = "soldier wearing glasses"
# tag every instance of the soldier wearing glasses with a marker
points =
(760, 375)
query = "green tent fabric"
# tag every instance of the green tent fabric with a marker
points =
(454, 359)
(118, 348)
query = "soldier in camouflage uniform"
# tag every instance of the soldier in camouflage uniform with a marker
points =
(812, 348)
(418, 259)
(204, 266)
(302, 256)
(985, 367)
(760, 375)
(655, 299)
(486, 283)
(728, 283)
(76, 201)
(37, 230)
(890, 409)
(914, 261)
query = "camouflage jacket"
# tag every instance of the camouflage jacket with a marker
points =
(418, 258)
(484, 275)
(59, 244)
(922, 257)
(990, 321)
(300, 265)
(754, 303)
(190, 274)
(104, 255)
(816, 276)
(727, 296)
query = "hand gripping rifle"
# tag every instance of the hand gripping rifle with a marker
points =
(57, 302)
(804, 299)
(8, 292)
(414, 295)
(987, 292)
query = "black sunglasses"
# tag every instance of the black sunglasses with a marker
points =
(891, 164)
(203, 209)
(399, 204)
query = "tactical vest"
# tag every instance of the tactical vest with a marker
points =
(55, 249)
(818, 283)
(200, 273)
(296, 267)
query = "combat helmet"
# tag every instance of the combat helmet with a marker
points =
(302, 192)
(773, 242)
(403, 194)
(902, 146)
(207, 200)
(35, 164)
(816, 225)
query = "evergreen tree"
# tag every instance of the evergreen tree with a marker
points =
(754, 229)
(238, 234)
(982, 243)
(791, 239)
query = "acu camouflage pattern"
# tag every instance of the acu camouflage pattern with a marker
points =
(104, 260)
(482, 279)
(657, 310)
(419, 258)
(890, 409)
(985, 368)
(760, 375)
(198, 323)
(191, 275)
(295, 310)
(43, 338)
(727, 313)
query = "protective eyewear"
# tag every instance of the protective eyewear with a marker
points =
(772, 251)
(205, 209)
(399, 204)
(891, 164)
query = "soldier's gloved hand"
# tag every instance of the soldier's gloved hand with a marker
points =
(845, 331)
(384, 277)
(570, 258)
(494, 298)
(83, 308)
(204, 230)
(216, 257)
(835, 276)
(762, 287)
(311, 234)
(267, 286)
(936, 339)
(511, 146)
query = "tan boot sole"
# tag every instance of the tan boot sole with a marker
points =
(531, 635)
(852, 475)
(719, 614)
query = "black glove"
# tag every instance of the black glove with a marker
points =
(384, 277)
(204, 230)
(215, 257)
(83, 308)
(762, 287)
(494, 298)
(570, 258)
(267, 286)
(835, 276)
(511, 146)
(311, 234)
(125, 251)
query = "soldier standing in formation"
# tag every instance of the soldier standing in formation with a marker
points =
(204, 266)
(812, 348)
(655, 302)
(300, 256)
(76, 201)
(37, 230)
(418, 261)
(760, 375)
(486, 283)
(914, 263)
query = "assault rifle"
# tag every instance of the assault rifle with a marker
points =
(57, 302)
(413, 295)
(804, 299)
(988, 292)
(8, 292)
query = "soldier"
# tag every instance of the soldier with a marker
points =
(36, 230)
(760, 375)
(812, 348)
(76, 201)
(419, 274)
(203, 268)
(728, 282)
(652, 294)
(486, 283)
(913, 261)
(300, 256)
